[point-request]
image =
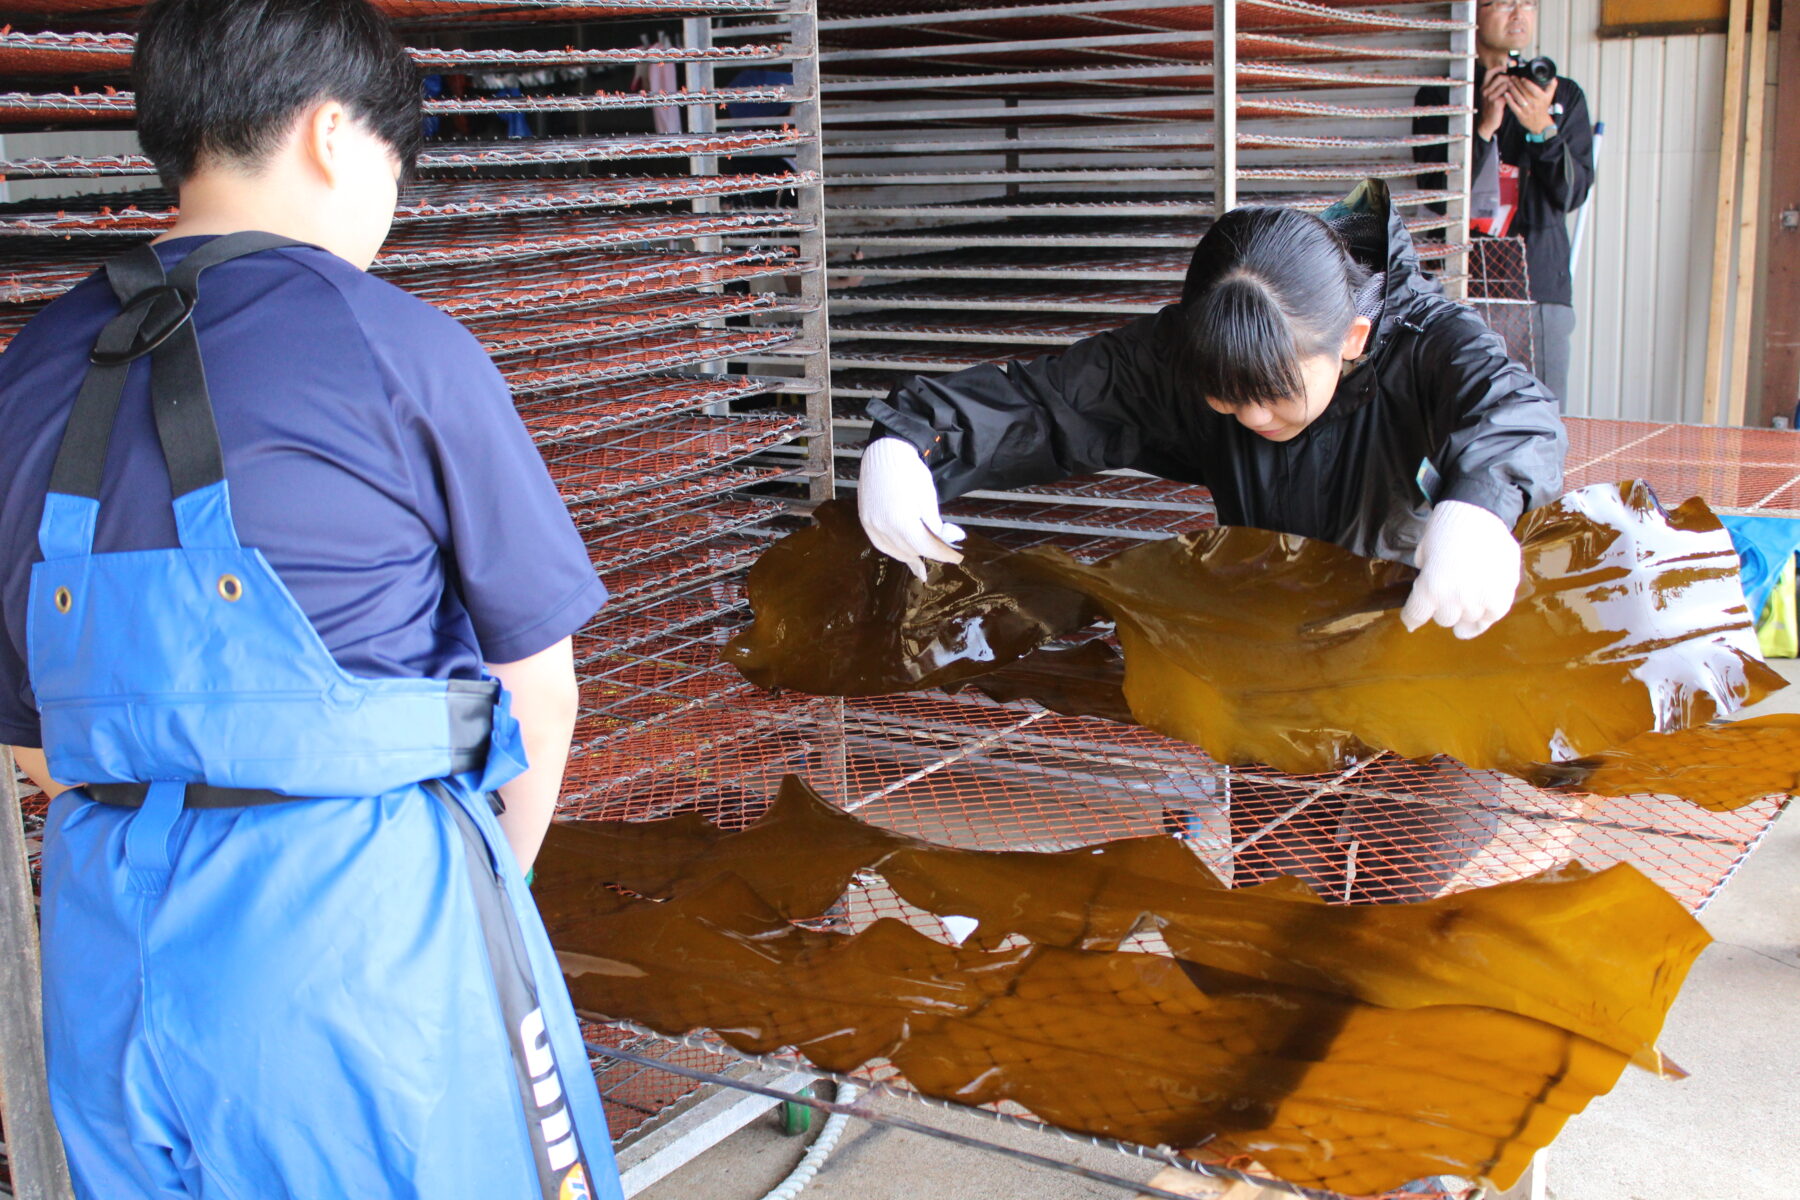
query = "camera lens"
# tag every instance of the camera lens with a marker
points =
(1542, 71)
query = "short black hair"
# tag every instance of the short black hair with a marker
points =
(228, 78)
(1267, 289)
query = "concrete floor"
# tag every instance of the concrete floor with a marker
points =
(1730, 1131)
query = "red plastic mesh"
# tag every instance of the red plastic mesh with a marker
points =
(502, 239)
(52, 53)
(587, 411)
(506, 337)
(700, 488)
(644, 458)
(63, 53)
(553, 284)
(17, 107)
(29, 277)
(150, 212)
(623, 546)
(533, 374)
(457, 155)
(1746, 470)
(27, 108)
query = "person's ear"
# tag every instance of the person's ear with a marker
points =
(1357, 340)
(322, 132)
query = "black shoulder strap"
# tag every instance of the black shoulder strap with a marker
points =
(157, 320)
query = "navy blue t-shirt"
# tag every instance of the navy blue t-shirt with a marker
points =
(373, 454)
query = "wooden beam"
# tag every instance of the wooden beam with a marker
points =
(1725, 223)
(1781, 286)
(1749, 214)
(35, 1151)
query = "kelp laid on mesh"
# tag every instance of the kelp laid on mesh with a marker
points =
(1347, 1047)
(1263, 647)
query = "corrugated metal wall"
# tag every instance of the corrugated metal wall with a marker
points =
(1642, 289)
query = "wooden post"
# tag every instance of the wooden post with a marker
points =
(1781, 287)
(39, 1171)
(1750, 214)
(1725, 222)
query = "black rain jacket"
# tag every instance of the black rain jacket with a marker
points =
(1433, 411)
(1555, 177)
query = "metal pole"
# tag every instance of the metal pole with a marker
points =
(1461, 151)
(35, 1151)
(1225, 117)
(807, 117)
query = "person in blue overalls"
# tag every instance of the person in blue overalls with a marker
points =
(287, 599)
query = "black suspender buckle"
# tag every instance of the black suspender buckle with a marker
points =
(148, 339)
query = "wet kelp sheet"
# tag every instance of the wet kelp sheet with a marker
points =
(1269, 648)
(1350, 1048)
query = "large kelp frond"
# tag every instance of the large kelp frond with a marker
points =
(1350, 1048)
(1719, 767)
(1265, 647)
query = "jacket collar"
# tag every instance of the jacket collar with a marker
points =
(1405, 281)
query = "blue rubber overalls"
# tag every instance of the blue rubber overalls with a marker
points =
(287, 951)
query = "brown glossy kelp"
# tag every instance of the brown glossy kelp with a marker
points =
(1343, 1047)
(1271, 648)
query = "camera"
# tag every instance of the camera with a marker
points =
(1540, 70)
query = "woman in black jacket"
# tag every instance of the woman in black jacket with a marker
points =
(1310, 377)
(1317, 384)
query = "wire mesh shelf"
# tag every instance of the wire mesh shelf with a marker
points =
(49, 52)
(626, 545)
(671, 493)
(586, 411)
(534, 374)
(441, 156)
(1013, 296)
(645, 458)
(111, 105)
(151, 212)
(505, 337)
(1736, 470)
(1028, 263)
(556, 284)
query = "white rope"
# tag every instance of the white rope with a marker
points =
(818, 1152)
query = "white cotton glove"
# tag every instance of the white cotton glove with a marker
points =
(1468, 570)
(899, 507)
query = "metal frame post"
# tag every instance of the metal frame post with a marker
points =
(1225, 116)
(1461, 152)
(807, 116)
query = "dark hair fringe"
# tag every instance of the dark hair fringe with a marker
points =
(1267, 289)
(227, 78)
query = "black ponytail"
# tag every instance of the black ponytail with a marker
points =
(1267, 289)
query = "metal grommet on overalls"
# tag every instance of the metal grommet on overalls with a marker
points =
(64, 600)
(231, 588)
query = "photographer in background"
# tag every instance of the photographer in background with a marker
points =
(1534, 147)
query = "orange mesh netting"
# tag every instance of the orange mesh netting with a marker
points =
(1351, 1048)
